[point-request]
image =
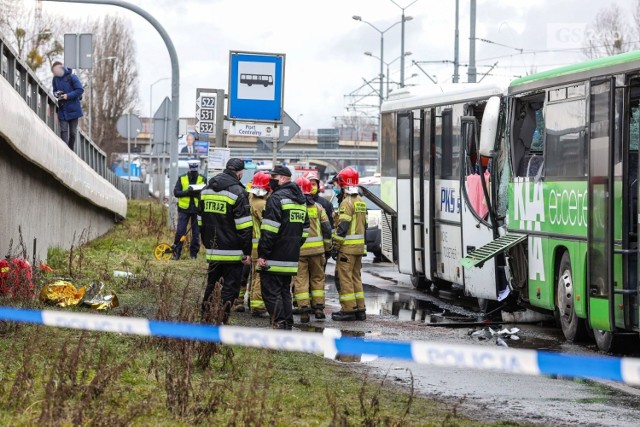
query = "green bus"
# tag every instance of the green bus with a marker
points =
(559, 150)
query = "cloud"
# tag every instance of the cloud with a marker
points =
(324, 45)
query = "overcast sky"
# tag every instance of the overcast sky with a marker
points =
(324, 46)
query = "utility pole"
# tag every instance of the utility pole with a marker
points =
(404, 19)
(456, 46)
(471, 74)
(381, 72)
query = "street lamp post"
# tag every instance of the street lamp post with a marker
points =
(359, 18)
(402, 54)
(388, 64)
(106, 58)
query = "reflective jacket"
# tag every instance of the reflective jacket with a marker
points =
(187, 203)
(327, 205)
(257, 208)
(225, 219)
(351, 225)
(319, 240)
(285, 227)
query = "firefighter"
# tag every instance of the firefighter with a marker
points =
(326, 204)
(257, 200)
(226, 232)
(349, 242)
(285, 227)
(188, 200)
(309, 282)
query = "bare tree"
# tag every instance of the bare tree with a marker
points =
(608, 34)
(114, 79)
(36, 37)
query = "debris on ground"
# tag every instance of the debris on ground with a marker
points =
(500, 336)
(94, 297)
(61, 293)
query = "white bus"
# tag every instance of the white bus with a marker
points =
(432, 177)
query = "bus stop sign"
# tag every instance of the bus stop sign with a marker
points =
(256, 86)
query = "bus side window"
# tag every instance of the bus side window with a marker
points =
(528, 136)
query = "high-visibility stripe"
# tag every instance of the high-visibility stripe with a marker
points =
(292, 270)
(267, 227)
(306, 230)
(359, 295)
(282, 266)
(309, 244)
(243, 220)
(340, 238)
(282, 263)
(243, 225)
(305, 235)
(256, 303)
(345, 217)
(354, 242)
(318, 293)
(224, 255)
(296, 206)
(241, 294)
(302, 296)
(355, 236)
(348, 297)
(224, 196)
(254, 243)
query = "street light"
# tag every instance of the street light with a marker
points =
(402, 55)
(359, 18)
(106, 58)
(388, 64)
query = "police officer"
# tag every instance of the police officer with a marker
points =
(188, 204)
(285, 227)
(309, 282)
(350, 245)
(226, 232)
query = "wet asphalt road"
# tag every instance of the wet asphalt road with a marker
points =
(396, 311)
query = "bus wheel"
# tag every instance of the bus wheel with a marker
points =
(419, 282)
(573, 327)
(610, 342)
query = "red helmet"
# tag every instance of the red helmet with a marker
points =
(305, 184)
(348, 177)
(261, 180)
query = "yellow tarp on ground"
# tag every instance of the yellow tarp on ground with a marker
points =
(62, 294)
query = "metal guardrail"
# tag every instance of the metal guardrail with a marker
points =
(313, 153)
(42, 102)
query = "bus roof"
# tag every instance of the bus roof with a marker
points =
(576, 72)
(433, 95)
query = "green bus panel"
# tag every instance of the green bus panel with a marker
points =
(599, 315)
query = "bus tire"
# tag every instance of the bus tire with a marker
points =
(419, 282)
(573, 327)
(610, 342)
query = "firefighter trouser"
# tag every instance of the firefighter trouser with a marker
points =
(309, 283)
(246, 270)
(351, 293)
(276, 291)
(231, 272)
(255, 294)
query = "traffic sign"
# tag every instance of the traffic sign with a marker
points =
(206, 127)
(206, 112)
(260, 130)
(161, 126)
(288, 130)
(129, 125)
(256, 86)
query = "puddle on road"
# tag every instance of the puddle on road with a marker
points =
(363, 358)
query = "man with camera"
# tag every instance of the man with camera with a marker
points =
(68, 91)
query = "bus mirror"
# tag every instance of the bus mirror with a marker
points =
(489, 126)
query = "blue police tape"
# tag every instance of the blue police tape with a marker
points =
(330, 343)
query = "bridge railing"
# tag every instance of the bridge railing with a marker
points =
(41, 101)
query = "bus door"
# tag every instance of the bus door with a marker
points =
(409, 194)
(601, 204)
(479, 281)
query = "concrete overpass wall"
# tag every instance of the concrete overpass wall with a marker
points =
(46, 189)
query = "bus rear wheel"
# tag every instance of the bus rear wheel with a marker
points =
(611, 342)
(573, 327)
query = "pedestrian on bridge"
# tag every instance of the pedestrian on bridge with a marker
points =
(187, 190)
(68, 90)
(226, 233)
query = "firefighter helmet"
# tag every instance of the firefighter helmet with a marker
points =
(348, 177)
(305, 185)
(261, 180)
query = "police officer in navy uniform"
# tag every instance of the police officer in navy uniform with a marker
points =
(188, 203)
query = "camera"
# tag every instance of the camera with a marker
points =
(58, 94)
